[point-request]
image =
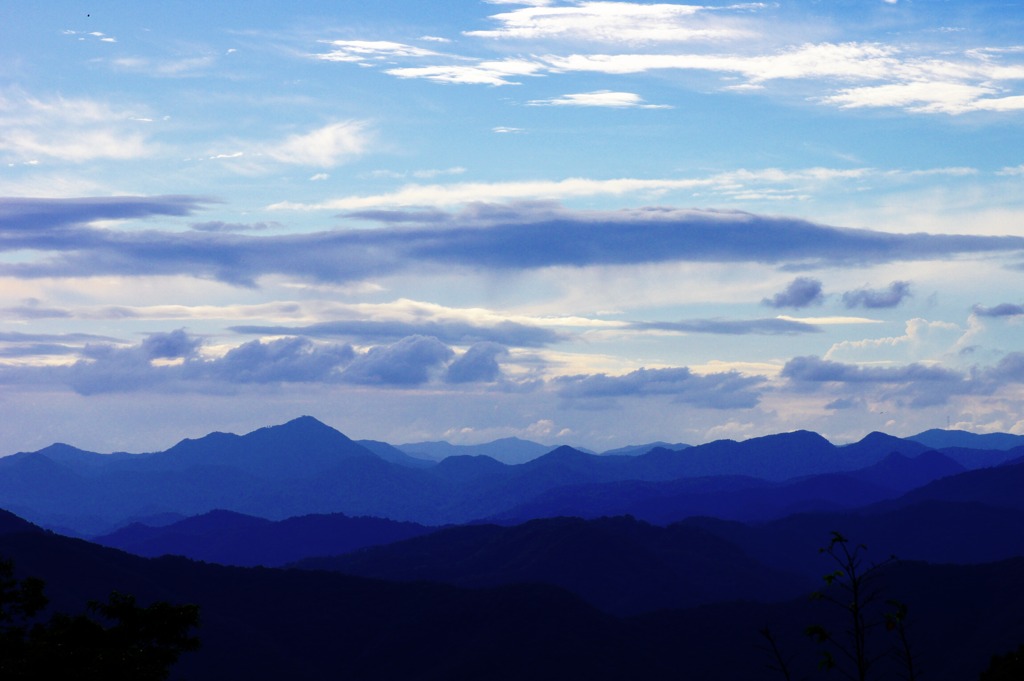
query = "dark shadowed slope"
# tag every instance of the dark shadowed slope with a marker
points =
(933, 531)
(232, 538)
(620, 564)
(393, 454)
(270, 624)
(955, 613)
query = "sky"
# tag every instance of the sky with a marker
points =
(595, 223)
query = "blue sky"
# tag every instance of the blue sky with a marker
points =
(594, 223)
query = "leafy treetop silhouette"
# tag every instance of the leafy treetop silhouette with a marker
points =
(116, 640)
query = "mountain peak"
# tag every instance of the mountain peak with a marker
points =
(562, 454)
(305, 424)
(876, 436)
(302, 446)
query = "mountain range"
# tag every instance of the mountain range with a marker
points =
(304, 467)
(313, 555)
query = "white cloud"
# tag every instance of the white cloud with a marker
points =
(102, 37)
(735, 184)
(918, 83)
(482, 73)
(829, 321)
(922, 341)
(328, 146)
(469, 192)
(922, 96)
(363, 50)
(170, 68)
(614, 22)
(68, 129)
(846, 60)
(600, 98)
(422, 174)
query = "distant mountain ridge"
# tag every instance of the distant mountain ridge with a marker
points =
(306, 467)
(942, 439)
(509, 450)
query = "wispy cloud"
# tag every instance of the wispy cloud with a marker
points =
(221, 226)
(30, 215)
(600, 98)
(928, 97)
(946, 83)
(471, 192)
(736, 184)
(773, 326)
(852, 74)
(523, 238)
(486, 72)
(93, 35)
(370, 50)
(615, 22)
(324, 147)
(172, 67)
(68, 129)
(506, 333)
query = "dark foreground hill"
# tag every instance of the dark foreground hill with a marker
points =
(262, 623)
(620, 565)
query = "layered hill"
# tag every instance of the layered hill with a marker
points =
(305, 467)
(260, 623)
(620, 565)
(232, 538)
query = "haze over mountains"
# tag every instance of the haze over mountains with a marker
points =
(668, 560)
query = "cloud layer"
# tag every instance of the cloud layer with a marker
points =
(523, 240)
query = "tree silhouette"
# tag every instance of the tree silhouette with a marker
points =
(1008, 667)
(853, 588)
(848, 645)
(116, 640)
